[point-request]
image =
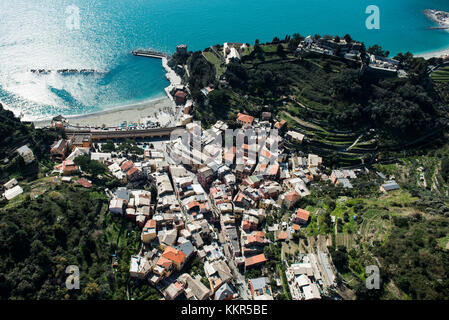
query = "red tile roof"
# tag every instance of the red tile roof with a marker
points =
(247, 119)
(151, 224)
(303, 214)
(292, 196)
(260, 258)
(84, 183)
(132, 171)
(193, 204)
(127, 165)
(282, 235)
(175, 255)
(164, 262)
(280, 124)
(180, 94)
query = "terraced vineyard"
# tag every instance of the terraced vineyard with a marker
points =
(441, 75)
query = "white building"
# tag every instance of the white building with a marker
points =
(26, 154)
(13, 192)
(116, 206)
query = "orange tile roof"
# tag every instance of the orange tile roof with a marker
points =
(164, 262)
(151, 224)
(280, 124)
(296, 227)
(254, 238)
(177, 256)
(240, 196)
(127, 165)
(260, 258)
(292, 196)
(132, 171)
(245, 118)
(193, 204)
(282, 235)
(303, 214)
(260, 233)
(84, 183)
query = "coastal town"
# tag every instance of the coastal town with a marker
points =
(224, 213)
(216, 207)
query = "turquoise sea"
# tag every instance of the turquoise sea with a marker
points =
(34, 35)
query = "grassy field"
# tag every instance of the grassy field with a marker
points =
(213, 59)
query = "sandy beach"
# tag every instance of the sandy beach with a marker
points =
(161, 110)
(434, 54)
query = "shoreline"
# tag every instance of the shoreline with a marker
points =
(158, 110)
(161, 109)
(440, 53)
(442, 19)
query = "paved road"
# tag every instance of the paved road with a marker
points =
(239, 279)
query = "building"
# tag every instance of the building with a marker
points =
(295, 136)
(194, 288)
(205, 176)
(255, 261)
(101, 157)
(85, 183)
(127, 165)
(173, 290)
(26, 154)
(116, 206)
(301, 216)
(244, 119)
(69, 168)
(314, 161)
(133, 174)
(10, 184)
(180, 97)
(176, 256)
(13, 192)
(389, 186)
(291, 198)
(139, 267)
(311, 292)
(345, 183)
(79, 141)
(280, 124)
(149, 231)
(266, 116)
(59, 149)
(225, 292)
(260, 289)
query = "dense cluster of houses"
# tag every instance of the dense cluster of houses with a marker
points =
(211, 209)
(211, 206)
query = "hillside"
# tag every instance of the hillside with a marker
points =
(15, 134)
(52, 225)
(343, 112)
